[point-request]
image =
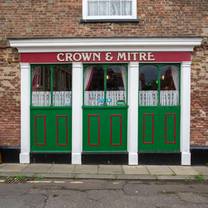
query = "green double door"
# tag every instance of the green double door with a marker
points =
(105, 108)
(159, 108)
(50, 109)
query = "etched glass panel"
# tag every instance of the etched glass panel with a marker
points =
(169, 85)
(116, 85)
(40, 80)
(148, 85)
(62, 85)
(94, 86)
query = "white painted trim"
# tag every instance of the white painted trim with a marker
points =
(85, 15)
(77, 99)
(133, 83)
(25, 113)
(84, 9)
(185, 113)
(105, 44)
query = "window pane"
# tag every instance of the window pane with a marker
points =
(116, 85)
(115, 7)
(109, 7)
(41, 86)
(126, 7)
(148, 85)
(169, 85)
(62, 84)
(94, 85)
(93, 6)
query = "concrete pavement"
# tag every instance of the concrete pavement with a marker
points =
(151, 172)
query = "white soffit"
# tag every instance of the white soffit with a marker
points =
(105, 44)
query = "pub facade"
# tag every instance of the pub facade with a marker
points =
(122, 94)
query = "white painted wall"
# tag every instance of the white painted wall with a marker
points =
(77, 102)
(25, 113)
(132, 136)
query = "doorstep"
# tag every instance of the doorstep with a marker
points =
(140, 172)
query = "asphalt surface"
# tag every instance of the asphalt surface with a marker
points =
(104, 194)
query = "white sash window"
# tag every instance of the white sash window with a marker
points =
(109, 9)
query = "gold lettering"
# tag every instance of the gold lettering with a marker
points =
(150, 56)
(60, 57)
(121, 56)
(108, 56)
(142, 56)
(68, 57)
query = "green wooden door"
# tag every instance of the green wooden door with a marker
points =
(105, 108)
(50, 111)
(104, 129)
(51, 130)
(159, 108)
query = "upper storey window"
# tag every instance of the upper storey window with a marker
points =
(109, 9)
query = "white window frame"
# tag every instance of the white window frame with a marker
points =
(112, 17)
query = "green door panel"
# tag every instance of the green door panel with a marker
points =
(105, 129)
(159, 129)
(51, 130)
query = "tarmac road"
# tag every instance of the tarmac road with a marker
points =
(104, 194)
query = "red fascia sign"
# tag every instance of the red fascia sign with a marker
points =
(103, 57)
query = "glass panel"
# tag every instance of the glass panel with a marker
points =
(94, 85)
(41, 95)
(109, 7)
(169, 85)
(126, 7)
(115, 7)
(116, 85)
(148, 85)
(62, 85)
(93, 6)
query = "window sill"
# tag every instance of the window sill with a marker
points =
(109, 20)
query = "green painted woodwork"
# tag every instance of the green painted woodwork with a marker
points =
(105, 129)
(51, 126)
(51, 130)
(159, 126)
(159, 129)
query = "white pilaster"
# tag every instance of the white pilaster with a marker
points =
(25, 113)
(133, 83)
(77, 98)
(185, 113)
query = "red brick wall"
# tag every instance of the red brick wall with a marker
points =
(199, 97)
(61, 18)
(9, 98)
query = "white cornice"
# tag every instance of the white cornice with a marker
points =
(100, 44)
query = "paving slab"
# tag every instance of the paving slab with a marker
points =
(182, 170)
(135, 177)
(110, 169)
(174, 178)
(95, 176)
(13, 167)
(86, 169)
(62, 168)
(38, 168)
(159, 170)
(201, 170)
(139, 170)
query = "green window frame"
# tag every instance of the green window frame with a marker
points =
(105, 68)
(52, 80)
(159, 67)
